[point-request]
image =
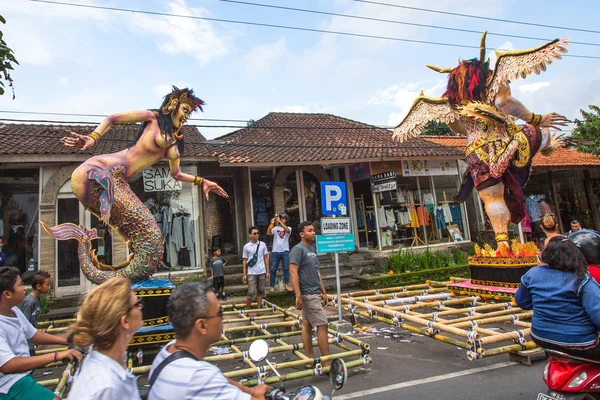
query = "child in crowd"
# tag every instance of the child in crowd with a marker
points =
(31, 305)
(217, 270)
(2, 255)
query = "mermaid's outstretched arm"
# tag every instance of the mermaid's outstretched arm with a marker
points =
(86, 141)
(175, 167)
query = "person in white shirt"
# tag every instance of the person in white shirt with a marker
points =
(197, 319)
(281, 250)
(255, 267)
(16, 363)
(109, 316)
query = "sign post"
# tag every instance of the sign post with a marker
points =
(334, 202)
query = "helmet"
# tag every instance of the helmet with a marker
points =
(284, 215)
(588, 242)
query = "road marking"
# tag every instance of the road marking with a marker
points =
(425, 380)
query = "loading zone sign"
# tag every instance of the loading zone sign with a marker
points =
(331, 226)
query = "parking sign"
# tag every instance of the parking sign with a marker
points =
(333, 198)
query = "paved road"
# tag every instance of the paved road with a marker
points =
(427, 369)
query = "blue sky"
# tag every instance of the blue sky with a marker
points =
(79, 60)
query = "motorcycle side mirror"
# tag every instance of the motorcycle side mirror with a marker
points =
(258, 351)
(338, 373)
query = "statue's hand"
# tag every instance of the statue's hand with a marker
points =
(553, 120)
(556, 140)
(78, 141)
(210, 186)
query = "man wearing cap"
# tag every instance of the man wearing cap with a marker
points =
(281, 249)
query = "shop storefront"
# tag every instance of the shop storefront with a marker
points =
(19, 228)
(407, 203)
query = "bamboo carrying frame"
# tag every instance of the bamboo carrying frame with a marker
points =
(274, 326)
(429, 309)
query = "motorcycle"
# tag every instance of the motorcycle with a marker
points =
(570, 378)
(338, 374)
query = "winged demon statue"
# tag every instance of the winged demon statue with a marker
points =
(478, 103)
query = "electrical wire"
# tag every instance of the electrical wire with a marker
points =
(476, 16)
(360, 17)
(288, 27)
(105, 115)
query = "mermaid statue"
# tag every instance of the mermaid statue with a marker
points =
(101, 185)
(478, 103)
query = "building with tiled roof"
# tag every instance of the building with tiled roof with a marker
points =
(300, 138)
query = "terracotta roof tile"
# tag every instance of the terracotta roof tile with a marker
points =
(302, 137)
(32, 139)
(560, 158)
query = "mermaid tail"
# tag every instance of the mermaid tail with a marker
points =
(112, 198)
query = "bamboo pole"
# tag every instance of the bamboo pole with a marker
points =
(304, 374)
(257, 327)
(473, 310)
(280, 349)
(291, 364)
(493, 320)
(281, 342)
(395, 295)
(48, 351)
(414, 329)
(64, 379)
(253, 338)
(504, 336)
(56, 330)
(435, 325)
(466, 300)
(42, 324)
(249, 319)
(509, 349)
(387, 290)
(49, 382)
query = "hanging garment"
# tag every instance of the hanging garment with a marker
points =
(389, 218)
(400, 196)
(386, 238)
(533, 208)
(381, 217)
(428, 198)
(360, 222)
(526, 222)
(371, 225)
(430, 210)
(447, 213)
(414, 219)
(545, 208)
(456, 216)
(440, 218)
(423, 216)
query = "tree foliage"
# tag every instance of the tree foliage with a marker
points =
(587, 131)
(7, 59)
(438, 129)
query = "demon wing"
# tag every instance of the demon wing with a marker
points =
(513, 64)
(422, 112)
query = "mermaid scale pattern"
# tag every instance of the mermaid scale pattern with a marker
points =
(129, 216)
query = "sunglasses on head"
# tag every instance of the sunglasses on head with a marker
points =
(219, 314)
(139, 304)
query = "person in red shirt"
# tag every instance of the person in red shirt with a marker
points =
(588, 242)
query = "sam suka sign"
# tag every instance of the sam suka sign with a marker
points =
(330, 226)
(159, 179)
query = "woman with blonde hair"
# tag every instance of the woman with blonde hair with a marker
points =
(549, 225)
(109, 316)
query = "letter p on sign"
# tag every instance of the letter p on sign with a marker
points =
(333, 198)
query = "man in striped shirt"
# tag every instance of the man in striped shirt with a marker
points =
(197, 319)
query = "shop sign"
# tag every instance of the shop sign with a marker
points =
(383, 182)
(330, 226)
(385, 166)
(335, 243)
(429, 167)
(159, 179)
(359, 171)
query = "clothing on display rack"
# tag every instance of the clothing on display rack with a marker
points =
(423, 216)
(440, 218)
(370, 216)
(447, 213)
(545, 208)
(456, 216)
(533, 208)
(526, 221)
(428, 198)
(400, 198)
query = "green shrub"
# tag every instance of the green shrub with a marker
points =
(408, 261)
(44, 306)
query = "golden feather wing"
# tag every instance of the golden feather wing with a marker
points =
(424, 110)
(515, 64)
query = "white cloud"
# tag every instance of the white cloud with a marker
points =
(292, 109)
(162, 89)
(184, 35)
(532, 87)
(63, 81)
(99, 102)
(262, 58)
